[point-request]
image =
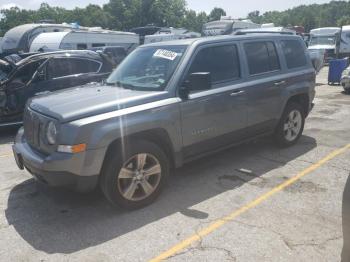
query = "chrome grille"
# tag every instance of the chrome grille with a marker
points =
(33, 123)
(28, 124)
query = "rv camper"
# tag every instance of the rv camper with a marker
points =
(168, 34)
(227, 26)
(80, 40)
(19, 38)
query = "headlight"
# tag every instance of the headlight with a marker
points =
(346, 72)
(51, 133)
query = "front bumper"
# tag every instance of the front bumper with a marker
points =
(345, 82)
(79, 172)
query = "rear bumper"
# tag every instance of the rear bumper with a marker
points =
(58, 169)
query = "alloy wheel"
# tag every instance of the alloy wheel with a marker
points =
(139, 177)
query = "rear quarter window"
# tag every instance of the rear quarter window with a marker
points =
(294, 53)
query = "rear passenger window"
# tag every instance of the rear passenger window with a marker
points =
(262, 57)
(221, 61)
(294, 52)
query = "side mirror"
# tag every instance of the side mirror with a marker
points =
(199, 81)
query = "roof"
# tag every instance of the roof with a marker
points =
(325, 30)
(70, 53)
(24, 28)
(213, 39)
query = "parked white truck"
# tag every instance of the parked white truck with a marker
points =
(333, 40)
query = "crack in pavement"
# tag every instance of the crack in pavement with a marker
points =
(289, 242)
(200, 247)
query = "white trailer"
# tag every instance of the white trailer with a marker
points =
(19, 38)
(80, 40)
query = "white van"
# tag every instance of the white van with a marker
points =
(80, 40)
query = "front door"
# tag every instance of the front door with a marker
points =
(214, 118)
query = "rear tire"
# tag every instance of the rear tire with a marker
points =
(135, 180)
(291, 125)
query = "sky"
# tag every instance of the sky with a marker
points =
(234, 8)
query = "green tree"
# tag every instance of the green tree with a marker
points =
(216, 14)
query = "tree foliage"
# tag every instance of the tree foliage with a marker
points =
(125, 14)
(216, 14)
(116, 15)
(335, 13)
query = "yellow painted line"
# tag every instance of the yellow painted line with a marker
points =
(5, 155)
(222, 221)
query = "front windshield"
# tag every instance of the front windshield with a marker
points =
(147, 68)
(322, 40)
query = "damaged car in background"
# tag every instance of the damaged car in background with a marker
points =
(42, 73)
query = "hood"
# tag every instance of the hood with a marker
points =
(321, 47)
(94, 99)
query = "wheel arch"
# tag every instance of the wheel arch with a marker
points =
(158, 136)
(301, 99)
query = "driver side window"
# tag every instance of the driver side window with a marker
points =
(221, 62)
(26, 73)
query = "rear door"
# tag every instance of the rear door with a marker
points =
(300, 77)
(265, 82)
(213, 118)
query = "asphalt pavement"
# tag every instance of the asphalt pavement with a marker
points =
(254, 202)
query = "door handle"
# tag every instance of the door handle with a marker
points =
(279, 83)
(237, 93)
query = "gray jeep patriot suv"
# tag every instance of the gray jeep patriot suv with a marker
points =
(166, 104)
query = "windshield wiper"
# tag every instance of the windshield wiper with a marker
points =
(121, 84)
(126, 85)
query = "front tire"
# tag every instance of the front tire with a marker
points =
(291, 125)
(135, 180)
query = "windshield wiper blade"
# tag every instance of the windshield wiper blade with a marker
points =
(125, 85)
(121, 84)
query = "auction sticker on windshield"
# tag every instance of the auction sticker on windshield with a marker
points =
(166, 54)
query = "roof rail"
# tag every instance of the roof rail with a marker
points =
(262, 32)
